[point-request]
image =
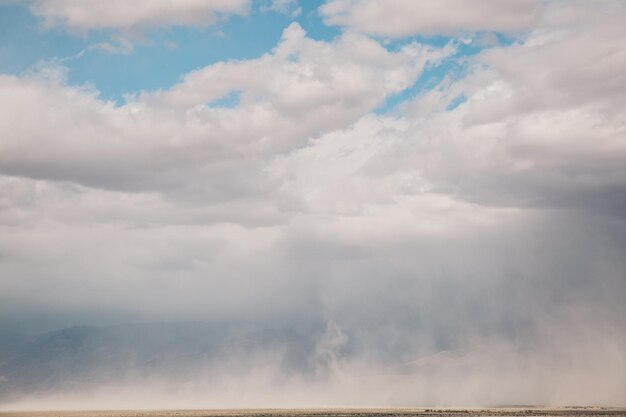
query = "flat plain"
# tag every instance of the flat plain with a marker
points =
(404, 412)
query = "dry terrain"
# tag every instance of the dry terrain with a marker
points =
(422, 412)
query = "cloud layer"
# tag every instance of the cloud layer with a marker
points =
(399, 18)
(118, 14)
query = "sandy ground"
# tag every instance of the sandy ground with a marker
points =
(424, 412)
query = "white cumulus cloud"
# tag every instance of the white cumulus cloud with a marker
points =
(398, 18)
(120, 14)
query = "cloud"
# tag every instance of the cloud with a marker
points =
(157, 141)
(118, 45)
(291, 7)
(303, 75)
(542, 124)
(119, 14)
(399, 18)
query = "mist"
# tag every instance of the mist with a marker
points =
(462, 322)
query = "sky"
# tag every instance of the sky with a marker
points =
(421, 177)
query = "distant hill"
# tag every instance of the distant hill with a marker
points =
(80, 357)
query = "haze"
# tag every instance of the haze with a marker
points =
(282, 203)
